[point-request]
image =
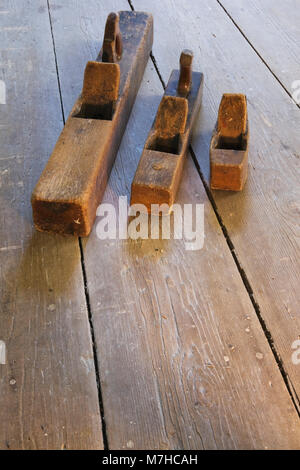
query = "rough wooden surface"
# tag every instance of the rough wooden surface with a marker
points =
(179, 368)
(48, 392)
(262, 221)
(229, 144)
(232, 117)
(72, 184)
(159, 170)
(273, 29)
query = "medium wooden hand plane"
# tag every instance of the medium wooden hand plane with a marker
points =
(158, 173)
(72, 184)
(229, 144)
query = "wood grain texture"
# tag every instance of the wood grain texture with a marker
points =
(183, 360)
(273, 28)
(159, 171)
(48, 392)
(229, 144)
(72, 184)
(263, 220)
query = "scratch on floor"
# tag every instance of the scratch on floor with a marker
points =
(14, 28)
(11, 247)
(12, 157)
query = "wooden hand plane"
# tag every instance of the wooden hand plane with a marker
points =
(229, 144)
(159, 170)
(72, 184)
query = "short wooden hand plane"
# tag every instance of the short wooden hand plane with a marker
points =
(158, 173)
(229, 144)
(72, 184)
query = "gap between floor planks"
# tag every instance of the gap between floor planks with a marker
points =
(84, 277)
(256, 51)
(291, 390)
(207, 190)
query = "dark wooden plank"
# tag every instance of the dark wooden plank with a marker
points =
(183, 360)
(262, 220)
(48, 392)
(273, 28)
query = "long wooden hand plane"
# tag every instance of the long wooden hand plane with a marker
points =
(72, 184)
(159, 170)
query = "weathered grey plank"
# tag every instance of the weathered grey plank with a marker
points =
(273, 28)
(263, 220)
(183, 360)
(48, 392)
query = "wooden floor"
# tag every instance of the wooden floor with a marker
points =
(144, 345)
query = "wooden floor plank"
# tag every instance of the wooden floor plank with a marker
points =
(183, 359)
(263, 219)
(273, 28)
(48, 392)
